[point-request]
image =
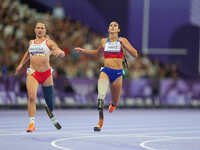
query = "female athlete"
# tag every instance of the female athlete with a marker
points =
(113, 48)
(40, 72)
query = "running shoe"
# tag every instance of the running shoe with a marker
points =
(111, 108)
(31, 127)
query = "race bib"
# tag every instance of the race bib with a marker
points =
(112, 47)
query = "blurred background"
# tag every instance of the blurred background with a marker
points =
(166, 34)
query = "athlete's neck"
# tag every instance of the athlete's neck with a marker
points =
(113, 37)
(39, 39)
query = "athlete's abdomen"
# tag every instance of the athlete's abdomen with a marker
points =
(114, 63)
(39, 63)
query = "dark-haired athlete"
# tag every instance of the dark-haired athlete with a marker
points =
(113, 47)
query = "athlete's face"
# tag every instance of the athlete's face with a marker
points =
(40, 29)
(113, 27)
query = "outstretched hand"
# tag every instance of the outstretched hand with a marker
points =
(78, 50)
(58, 53)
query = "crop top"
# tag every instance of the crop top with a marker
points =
(113, 49)
(39, 49)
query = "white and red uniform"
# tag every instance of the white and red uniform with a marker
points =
(39, 49)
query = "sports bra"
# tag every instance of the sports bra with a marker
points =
(39, 49)
(113, 49)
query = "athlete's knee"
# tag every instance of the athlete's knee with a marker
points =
(32, 97)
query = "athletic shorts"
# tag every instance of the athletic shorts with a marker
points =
(113, 74)
(39, 76)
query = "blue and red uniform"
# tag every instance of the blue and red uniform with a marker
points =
(113, 50)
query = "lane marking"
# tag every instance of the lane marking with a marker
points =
(185, 130)
(144, 144)
(54, 143)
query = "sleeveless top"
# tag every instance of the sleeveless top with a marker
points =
(39, 49)
(113, 49)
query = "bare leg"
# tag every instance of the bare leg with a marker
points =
(116, 88)
(32, 86)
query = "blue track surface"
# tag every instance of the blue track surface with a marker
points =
(123, 130)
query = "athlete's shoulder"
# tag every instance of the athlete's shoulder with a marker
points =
(122, 39)
(31, 41)
(49, 42)
(103, 39)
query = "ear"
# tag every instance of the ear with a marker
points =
(118, 30)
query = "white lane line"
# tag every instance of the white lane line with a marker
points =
(63, 132)
(144, 143)
(54, 143)
(43, 133)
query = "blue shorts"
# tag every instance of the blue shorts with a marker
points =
(113, 74)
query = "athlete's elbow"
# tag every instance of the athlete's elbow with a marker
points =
(136, 54)
(95, 52)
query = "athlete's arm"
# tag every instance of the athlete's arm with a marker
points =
(129, 47)
(90, 52)
(24, 60)
(56, 51)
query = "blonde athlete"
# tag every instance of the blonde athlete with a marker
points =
(113, 48)
(40, 71)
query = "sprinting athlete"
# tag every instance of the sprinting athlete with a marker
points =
(113, 48)
(40, 71)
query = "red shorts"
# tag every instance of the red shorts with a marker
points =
(42, 76)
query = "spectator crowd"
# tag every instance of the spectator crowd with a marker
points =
(17, 21)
